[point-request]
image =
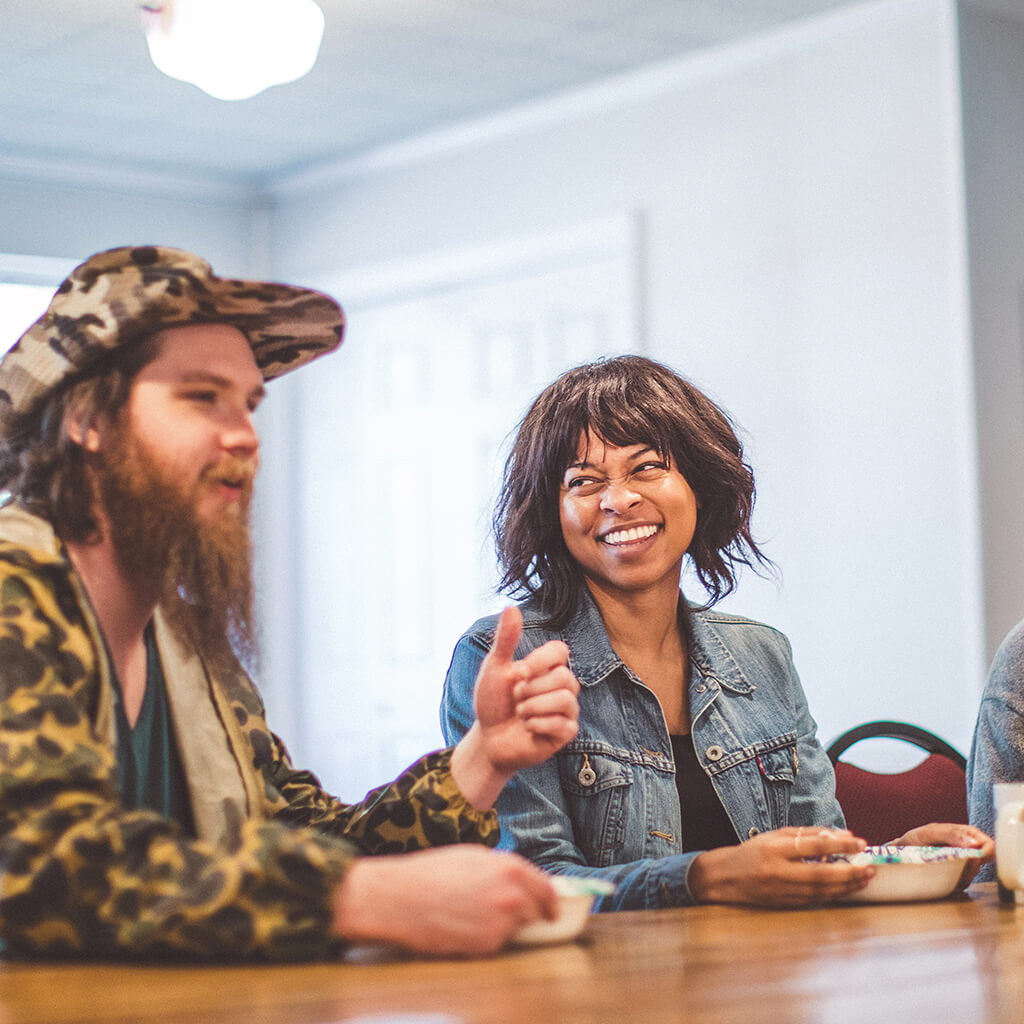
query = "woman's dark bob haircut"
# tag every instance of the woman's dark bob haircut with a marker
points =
(624, 401)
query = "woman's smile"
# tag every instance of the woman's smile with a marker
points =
(630, 537)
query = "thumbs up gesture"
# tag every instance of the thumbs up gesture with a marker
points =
(526, 709)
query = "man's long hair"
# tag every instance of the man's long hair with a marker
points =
(42, 469)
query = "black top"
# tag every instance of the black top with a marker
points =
(705, 823)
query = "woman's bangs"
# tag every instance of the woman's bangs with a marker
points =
(623, 421)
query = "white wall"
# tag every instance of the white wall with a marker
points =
(69, 214)
(802, 256)
(993, 88)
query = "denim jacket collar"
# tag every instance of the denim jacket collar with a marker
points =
(593, 660)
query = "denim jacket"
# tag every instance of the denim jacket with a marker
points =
(997, 751)
(606, 804)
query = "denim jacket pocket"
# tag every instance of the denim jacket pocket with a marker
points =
(778, 771)
(596, 787)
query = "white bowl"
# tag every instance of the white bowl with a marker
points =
(575, 899)
(909, 873)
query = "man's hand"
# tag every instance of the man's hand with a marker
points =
(451, 900)
(525, 711)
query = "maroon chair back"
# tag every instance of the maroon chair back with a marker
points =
(879, 807)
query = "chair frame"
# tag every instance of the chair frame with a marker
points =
(894, 731)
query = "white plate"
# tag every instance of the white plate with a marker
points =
(908, 873)
(575, 899)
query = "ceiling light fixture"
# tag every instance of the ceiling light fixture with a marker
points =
(233, 49)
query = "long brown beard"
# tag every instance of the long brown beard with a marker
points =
(202, 571)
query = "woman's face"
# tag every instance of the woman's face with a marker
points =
(628, 516)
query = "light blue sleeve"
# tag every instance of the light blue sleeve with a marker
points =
(997, 750)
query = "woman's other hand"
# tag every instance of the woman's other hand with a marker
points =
(943, 833)
(772, 869)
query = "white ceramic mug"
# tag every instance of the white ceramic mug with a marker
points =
(1008, 798)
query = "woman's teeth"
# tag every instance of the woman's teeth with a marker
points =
(633, 534)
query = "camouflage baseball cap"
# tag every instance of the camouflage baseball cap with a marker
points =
(124, 295)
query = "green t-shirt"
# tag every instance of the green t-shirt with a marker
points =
(152, 775)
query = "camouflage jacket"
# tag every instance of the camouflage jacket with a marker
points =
(81, 875)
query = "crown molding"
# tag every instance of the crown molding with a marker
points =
(125, 178)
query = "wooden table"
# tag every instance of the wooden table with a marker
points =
(956, 960)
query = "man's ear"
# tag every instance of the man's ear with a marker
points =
(83, 432)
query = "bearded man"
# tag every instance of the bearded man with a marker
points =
(146, 809)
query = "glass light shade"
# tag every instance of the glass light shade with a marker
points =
(234, 49)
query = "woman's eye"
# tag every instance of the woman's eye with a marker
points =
(650, 468)
(583, 483)
(203, 397)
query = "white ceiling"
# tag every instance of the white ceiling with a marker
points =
(77, 87)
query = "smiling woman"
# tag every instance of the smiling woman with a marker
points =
(696, 774)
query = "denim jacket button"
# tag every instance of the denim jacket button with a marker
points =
(587, 775)
(700, 687)
(714, 753)
(753, 831)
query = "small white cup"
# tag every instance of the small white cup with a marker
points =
(1008, 798)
